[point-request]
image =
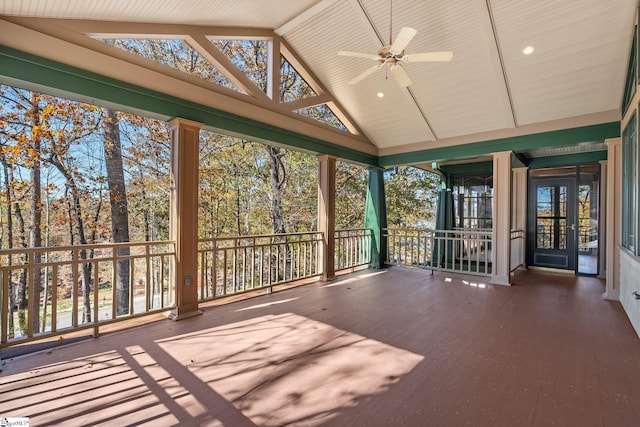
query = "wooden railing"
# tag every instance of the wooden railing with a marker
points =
(463, 250)
(77, 288)
(87, 286)
(517, 249)
(232, 265)
(352, 248)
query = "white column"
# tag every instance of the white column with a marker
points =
(184, 215)
(327, 213)
(519, 214)
(613, 217)
(602, 230)
(501, 250)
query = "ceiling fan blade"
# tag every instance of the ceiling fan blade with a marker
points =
(401, 76)
(428, 57)
(365, 74)
(405, 35)
(359, 54)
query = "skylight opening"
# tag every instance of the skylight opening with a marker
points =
(323, 114)
(292, 84)
(174, 53)
(250, 56)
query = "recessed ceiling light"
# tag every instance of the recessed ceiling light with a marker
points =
(528, 50)
(380, 95)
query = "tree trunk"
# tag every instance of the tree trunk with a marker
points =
(35, 237)
(276, 180)
(277, 177)
(8, 177)
(75, 215)
(47, 284)
(118, 202)
(22, 301)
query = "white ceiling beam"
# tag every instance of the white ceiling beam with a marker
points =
(132, 29)
(304, 17)
(311, 101)
(223, 64)
(495, 54)
(273, 69)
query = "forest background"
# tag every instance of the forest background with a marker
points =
(73, 173)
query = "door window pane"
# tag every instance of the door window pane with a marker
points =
(551, 217)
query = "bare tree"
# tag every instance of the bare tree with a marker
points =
(118, 201)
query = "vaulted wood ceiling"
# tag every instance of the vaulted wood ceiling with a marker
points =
(490, 89)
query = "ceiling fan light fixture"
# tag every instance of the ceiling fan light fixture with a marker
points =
(393, 53)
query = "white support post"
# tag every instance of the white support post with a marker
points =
(501, 250)
(326, 213)
(273, 69)
(613, 218)
(602, 229)
(184, 215)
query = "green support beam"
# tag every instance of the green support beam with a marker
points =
(568, 160)
(375, 216)
(558, 138)
(535, 163)
(468, 168)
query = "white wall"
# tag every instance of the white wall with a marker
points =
(629, 283)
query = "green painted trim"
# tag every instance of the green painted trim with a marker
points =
(568, 160)
(25, 67)
(375, 216)
(558, 138)
(468, 168)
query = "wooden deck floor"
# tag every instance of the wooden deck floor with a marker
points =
(379, 348)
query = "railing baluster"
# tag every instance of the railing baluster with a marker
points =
(147, 279)
(114, 281)
(5, 308)
(54, 298)
(96, 298)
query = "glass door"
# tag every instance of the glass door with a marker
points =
(552, 223)
(588, 220)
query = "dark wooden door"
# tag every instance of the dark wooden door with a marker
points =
(552, 223)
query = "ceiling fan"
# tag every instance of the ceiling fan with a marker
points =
(393, 54)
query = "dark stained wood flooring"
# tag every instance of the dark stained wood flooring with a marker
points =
(396, 347)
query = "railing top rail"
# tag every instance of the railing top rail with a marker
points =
(406, 229)
(478, 231)
(259, 236)
(105, 245)
(472, 229)
(354, 230)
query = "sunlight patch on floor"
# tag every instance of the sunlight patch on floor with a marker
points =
(359, 277)
(114, 387)
(288, 369)
(471, 283)
(267, 304)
